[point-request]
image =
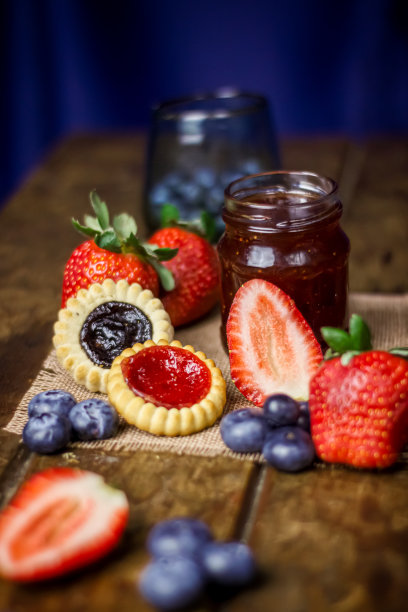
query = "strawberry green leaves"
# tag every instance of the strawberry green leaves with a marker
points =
(340, 342)
(120, 236)
(203, 226)
(357, 340)
(124, 225)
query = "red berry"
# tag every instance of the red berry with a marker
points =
(90, 264)
(195, 271)
(61, 519)
(271, 347)
(359, 411)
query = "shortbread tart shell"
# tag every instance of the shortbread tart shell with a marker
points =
(160, 420)
(71, 319)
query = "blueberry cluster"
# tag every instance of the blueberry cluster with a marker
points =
(186, 558)
(281, 432)
(54, 418)
(200, 189)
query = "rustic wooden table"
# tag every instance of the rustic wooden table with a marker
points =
(329, 539)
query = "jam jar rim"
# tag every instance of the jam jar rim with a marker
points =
(325, 208)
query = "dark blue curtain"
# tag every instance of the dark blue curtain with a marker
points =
(68, 65)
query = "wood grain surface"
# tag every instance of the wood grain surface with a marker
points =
(330, 539)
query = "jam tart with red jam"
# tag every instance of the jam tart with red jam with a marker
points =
(166, 388)
(100, 322)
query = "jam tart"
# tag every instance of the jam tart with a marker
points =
(166, 389)
(100, 322)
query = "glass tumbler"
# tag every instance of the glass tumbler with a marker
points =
(199, 145)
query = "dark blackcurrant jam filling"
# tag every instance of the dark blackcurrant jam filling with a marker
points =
(111, 328)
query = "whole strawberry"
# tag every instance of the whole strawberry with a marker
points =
(359, 400)
(113, 252)
(194, 268)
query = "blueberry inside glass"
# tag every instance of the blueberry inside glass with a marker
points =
(111, 328)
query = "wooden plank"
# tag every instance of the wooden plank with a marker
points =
(377, 219)
(325, 156)
(309, 550)
(158, 487)
(331, 540)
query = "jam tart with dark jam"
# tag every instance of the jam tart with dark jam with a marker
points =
(100, 322)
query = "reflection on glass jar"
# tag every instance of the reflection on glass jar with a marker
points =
(199, 145)
(284, 227)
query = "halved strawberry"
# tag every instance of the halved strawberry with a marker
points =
(272, 349)
(61, 519)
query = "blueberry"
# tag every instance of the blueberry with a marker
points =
(215, 199)
(289, 449)
(228, 563)
(189, 191)
(205, 177)
(47, 432)
(55, 400)
(250, 166)
(94, 419)
(229, 176)
(180, 536)
(244, 431)
(280, 409)
(172, 180)
(173, 583)
(304, 416)
(159, 194)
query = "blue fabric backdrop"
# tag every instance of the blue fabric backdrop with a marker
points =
(326, 66)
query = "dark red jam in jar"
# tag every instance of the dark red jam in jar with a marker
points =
(284, 227)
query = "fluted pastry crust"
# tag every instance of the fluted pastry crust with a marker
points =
(67, 329)
(159, 420)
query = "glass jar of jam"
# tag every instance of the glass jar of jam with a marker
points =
(284, 227)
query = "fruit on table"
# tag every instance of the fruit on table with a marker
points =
(229, 563)
(272, 349)
(303, 420)
(172, 583)
(93, 419)
(47, 433)
(55, 418)
(166, 388)
(359, 400)
(280, 409)
(279, 432)
(245, 430)
(183, 536)
(57, 401)
(113, 251)
(61, 519)
(289, 449)
(186, 558)
(100, 322)
(195, 271)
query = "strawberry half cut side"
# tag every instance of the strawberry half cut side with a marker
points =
(272, 349)
(61, 519)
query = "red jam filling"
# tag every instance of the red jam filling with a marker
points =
(167, 376)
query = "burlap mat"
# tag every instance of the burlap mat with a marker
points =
(387, 316)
